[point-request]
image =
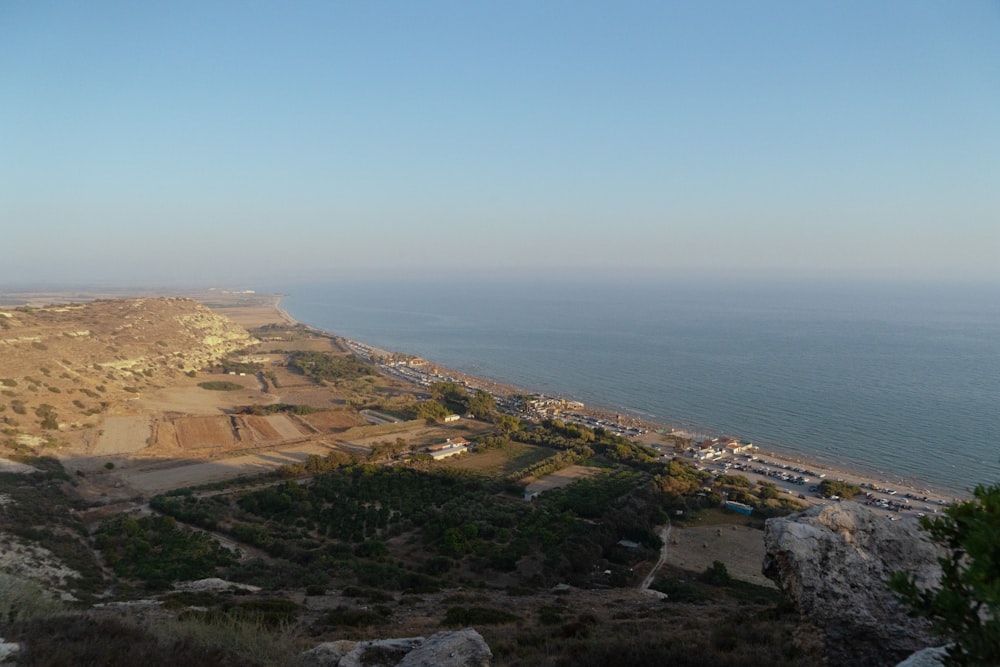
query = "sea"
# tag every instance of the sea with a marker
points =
(896, 380)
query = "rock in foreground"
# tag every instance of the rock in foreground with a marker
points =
(460, 648)
(833, 563)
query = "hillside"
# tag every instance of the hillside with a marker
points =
(64, 366)
(169, 446)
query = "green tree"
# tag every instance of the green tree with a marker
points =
(829, 488)
(508, 424)
(431, 410)
(966, 604)
(482, 405)
(448, 391)
(716, 574)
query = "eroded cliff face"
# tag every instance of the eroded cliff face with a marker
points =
(82, 359)
(834, 561)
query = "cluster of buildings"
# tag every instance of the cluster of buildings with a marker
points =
(535, 407)
(716, 448)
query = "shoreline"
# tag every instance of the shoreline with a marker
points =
(830, 470)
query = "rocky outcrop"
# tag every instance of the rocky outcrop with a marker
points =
(929, 657)
(833, 563)
(460, 648)
(8, 652)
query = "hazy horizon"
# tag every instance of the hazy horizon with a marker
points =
(249, 144)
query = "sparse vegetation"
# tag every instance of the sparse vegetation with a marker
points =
(450, 543)
(472, 616)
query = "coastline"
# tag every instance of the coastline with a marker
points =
(936, 494)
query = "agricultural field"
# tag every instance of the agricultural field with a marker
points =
(498, 462)
(122, 435)
(331, 421)
(560, 478)
(195, 433)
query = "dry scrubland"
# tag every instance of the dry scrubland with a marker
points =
(134, 398)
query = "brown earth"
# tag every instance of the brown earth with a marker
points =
(331, 421)
(120, 381)
(560, 478)
(115, 374)
(739, 547)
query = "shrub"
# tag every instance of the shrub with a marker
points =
(467, 616)
(829, 487)
(966, 604)
(359, 618)
(220, 385)
(678, 590)
(21, 599)
(716, 574)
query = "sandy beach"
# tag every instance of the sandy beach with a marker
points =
(894, 497)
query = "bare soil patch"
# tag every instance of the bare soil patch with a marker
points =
(416, 435)
(188, 398)
(311, 395)
(288, 378)
(258, 428)
(330, 421)
(247, 310)
(739, 547)
(202, 432)
(284, 426)
(122, 435)
(560, 478)
(153, 480)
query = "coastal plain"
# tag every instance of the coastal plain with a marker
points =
(164, 394)
(173, 433)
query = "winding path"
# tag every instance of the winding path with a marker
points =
(644, 586)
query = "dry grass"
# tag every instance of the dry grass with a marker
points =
(499, 462)
(22, 599)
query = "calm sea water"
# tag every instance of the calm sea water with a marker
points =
(898, 380)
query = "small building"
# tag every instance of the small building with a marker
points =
(734, 446)
(452, 418)
(451, 447)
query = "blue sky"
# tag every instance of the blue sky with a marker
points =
(253, 142)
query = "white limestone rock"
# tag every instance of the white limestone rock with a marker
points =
(833, 563)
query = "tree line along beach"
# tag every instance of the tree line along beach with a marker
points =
(793, 474)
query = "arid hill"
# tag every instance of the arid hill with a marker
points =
(63, 366)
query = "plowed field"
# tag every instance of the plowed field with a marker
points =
(333, 420)
(272, 428)
(201, 432)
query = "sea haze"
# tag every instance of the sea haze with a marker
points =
(899, 380)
